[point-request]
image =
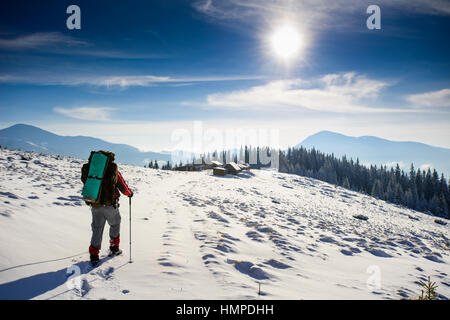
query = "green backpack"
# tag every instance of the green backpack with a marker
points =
(96, 175)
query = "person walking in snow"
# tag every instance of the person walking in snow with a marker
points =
(107, 210)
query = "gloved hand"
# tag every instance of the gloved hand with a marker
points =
(131, 195)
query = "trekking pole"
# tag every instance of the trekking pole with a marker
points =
(130, 227)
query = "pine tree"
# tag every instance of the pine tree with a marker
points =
(435, 182)
(419, 184)
(390, 190)
(399, 195)
(409, 198)
(428, 185)
(377, 190)
(443, 207)
(397, 173)
(434, 205)
(346, 183)
(422, 204)
(443, 188)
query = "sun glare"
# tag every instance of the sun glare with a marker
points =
(286, 42)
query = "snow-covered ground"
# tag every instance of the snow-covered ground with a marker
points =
(198, 236)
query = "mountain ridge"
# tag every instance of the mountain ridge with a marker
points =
(32, 138)
(380, 151)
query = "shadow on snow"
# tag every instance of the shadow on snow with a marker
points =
(38, 284)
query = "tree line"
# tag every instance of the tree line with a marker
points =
(154, 165)
(421, 190)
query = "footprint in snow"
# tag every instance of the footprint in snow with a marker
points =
(6, 213)
(218, 217)
(255, 236)
(346, 252)
(224, 248)
(329, 240)
(379, 253)
(208, 259)
(9, 195)
(107, 273)
(277, 264)
(83, 289)
(227, 236)
(434, 258)
(250, 269)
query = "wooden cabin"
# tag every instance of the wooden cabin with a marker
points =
(218, 171)
(244, 166)
(213, 164)
(232, 168)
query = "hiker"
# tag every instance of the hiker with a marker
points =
(107, 207)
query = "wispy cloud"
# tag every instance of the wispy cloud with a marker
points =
(149, 80)
(119, 81)
(39, 40)
(114, 54)
(239, 9)
(58, 43)
(316, 14)
(345, 92)
(440, 98)
(87, 113)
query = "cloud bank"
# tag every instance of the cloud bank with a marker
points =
(440, 98)
(344, 92)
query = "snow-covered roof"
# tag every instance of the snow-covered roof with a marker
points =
(233, 166)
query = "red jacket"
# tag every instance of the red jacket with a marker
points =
(122, 187)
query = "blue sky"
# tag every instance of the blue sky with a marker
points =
(139, 72)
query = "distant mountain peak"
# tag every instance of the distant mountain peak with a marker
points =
(379, 151)
(24, 126)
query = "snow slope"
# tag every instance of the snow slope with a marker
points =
(198, 236)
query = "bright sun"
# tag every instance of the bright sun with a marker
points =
(286, 42)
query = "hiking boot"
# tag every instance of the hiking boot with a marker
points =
(114, 249)
(94, 259)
